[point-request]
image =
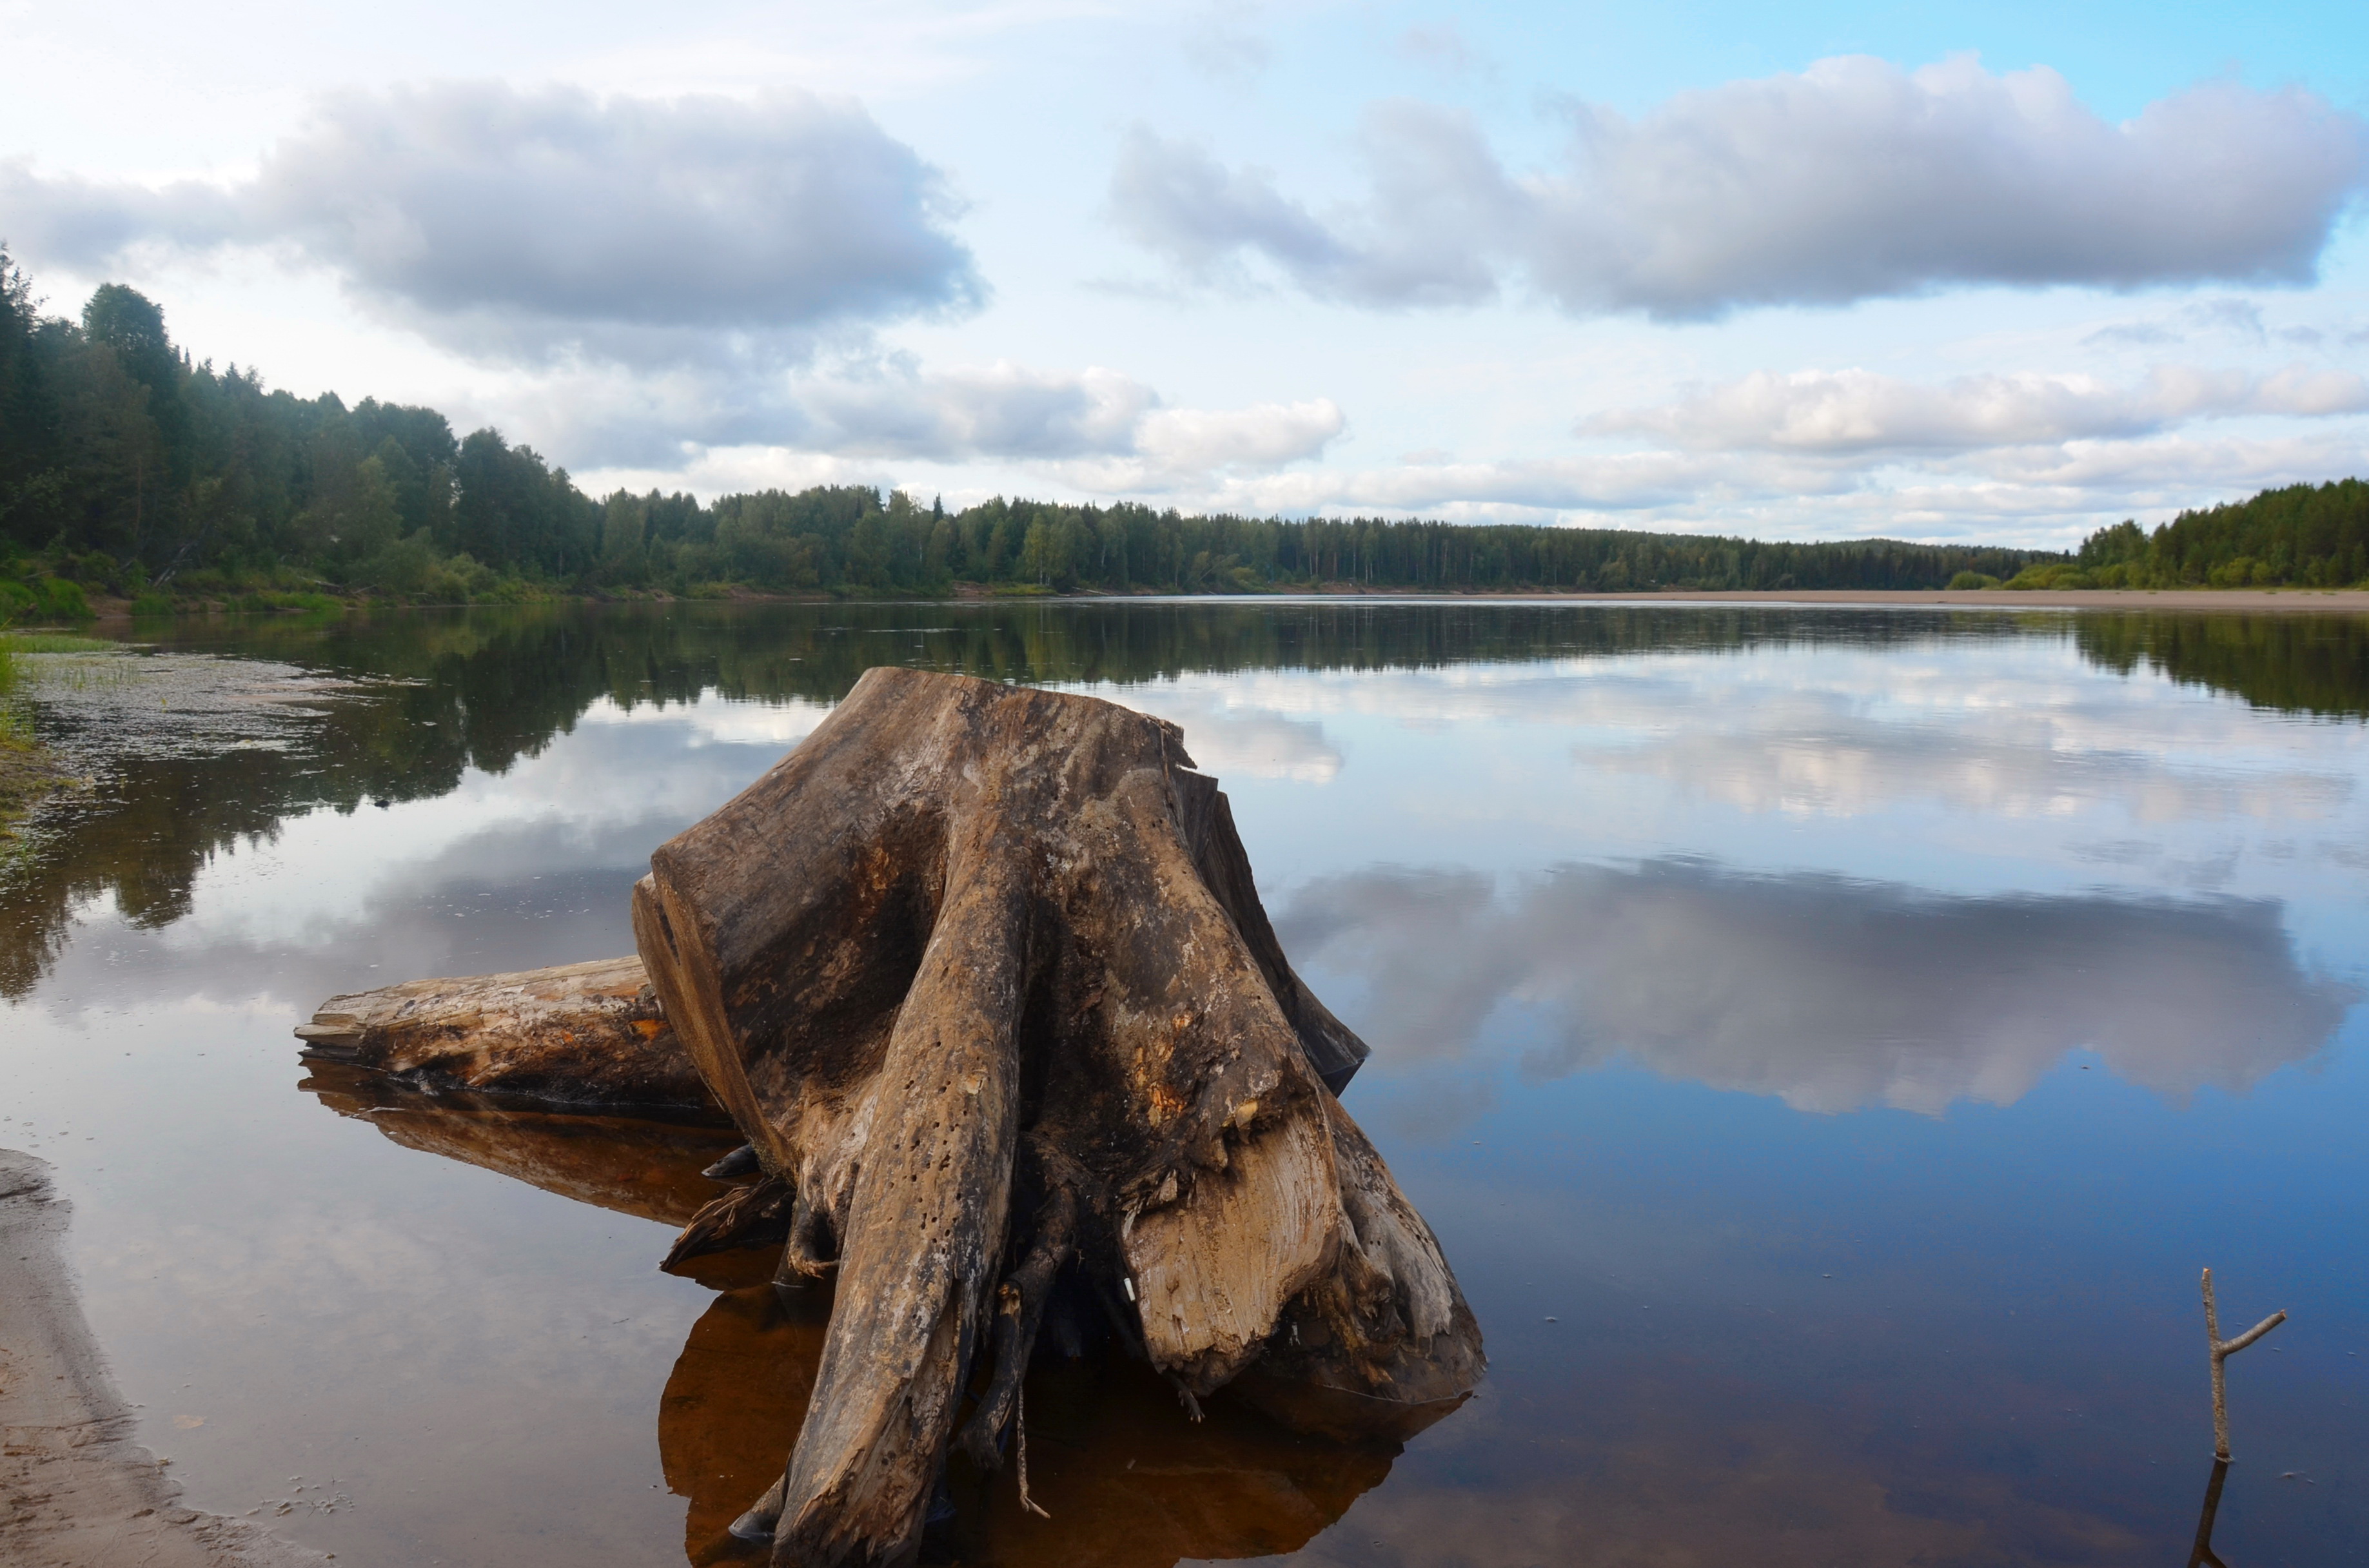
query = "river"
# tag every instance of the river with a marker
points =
(1827, 1043)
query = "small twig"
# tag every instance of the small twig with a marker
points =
(1020, 1420)
(2222, 1350)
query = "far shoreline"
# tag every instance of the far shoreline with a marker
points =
(2353, 600)
(114, 613)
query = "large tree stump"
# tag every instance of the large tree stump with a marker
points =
(980, 973)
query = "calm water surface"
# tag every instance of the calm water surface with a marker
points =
(1826, 1042)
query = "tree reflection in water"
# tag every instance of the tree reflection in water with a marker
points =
(437, 693)
(1128, 1480)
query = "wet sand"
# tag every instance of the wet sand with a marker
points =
(79, 1492)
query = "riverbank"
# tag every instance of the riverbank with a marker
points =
(79, 1492)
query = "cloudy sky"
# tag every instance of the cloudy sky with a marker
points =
(2005, 271)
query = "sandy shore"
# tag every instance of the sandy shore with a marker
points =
(2252, 600)
(77, 1492)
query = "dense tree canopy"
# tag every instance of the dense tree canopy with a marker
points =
(2303, 535)
(126, 468)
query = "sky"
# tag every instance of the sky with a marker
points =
(2003, 272)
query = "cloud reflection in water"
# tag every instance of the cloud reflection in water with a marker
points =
(2017, 749)
(1829, 993)
(1234, 732)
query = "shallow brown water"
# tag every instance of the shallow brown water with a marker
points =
(1827, 1043)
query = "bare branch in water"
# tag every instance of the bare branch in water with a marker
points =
(2221, 1349)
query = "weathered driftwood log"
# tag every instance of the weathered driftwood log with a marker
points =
(981, 974)
(586, 1033)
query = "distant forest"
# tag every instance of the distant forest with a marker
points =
(127, 468)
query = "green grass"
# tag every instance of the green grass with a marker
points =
(23, 771)
(14, 732)
(51, 642)
(29, 773)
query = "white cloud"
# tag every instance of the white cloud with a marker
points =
(2239, 318)
(1002, 410)
(1096, 428)
(2044, 496)
(1614, 483)
(1853, 179)
(1855, 412)
(852, 417)
(2026, 457)
(1224, 45)
(1443, 49)
(706, 292)
(1204, 450)
(533, 226)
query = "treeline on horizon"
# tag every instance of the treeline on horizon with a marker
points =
(127, 468)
